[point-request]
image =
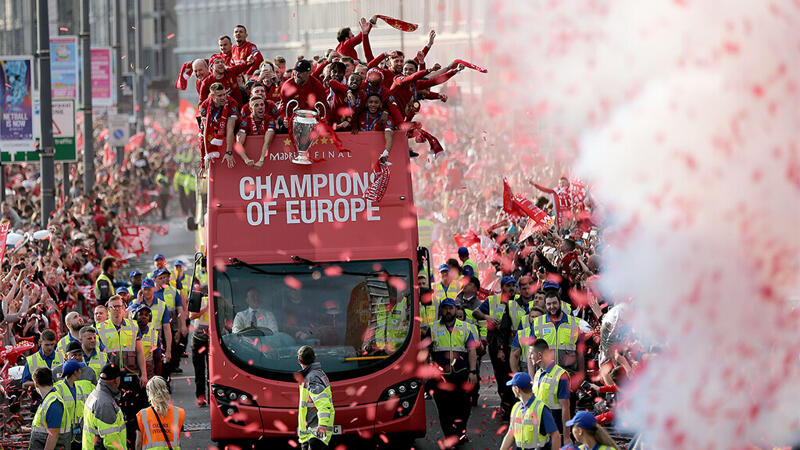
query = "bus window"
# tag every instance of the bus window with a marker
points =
(356, 315)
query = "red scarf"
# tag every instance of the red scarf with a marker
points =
(221, 125)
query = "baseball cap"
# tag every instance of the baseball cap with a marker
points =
(549, 285)
(71, 367)
(462, 251)
(583, 419)
(136, 307)
(444, 267)
(121, 290)
(159, 256)
(447, 302)
(134, 273)
(109, 372)
(74, 346)
(160, 272)
(179, 263)
(148, 283)
(507, 279)
(520, 380)
(302, 66)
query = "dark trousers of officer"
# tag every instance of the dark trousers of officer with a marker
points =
(453, 404)
(163, 200)
(184, 201)
(132, 400)
(502, 373)
(313, 444)
(200, 363)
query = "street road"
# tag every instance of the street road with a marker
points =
(179, 244)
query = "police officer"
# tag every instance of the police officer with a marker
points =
(104, 284)
(51, 423)
(551, 385)
(503, 316)
(561, 332)
(315, 414)
(103, 423)
(93, 355)
(147, 335)
(531, 420)
(523, 341)
(74, 390)
(453, 350)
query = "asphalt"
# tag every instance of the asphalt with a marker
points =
(484, 427)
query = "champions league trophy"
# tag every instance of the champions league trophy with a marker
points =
(303, 124)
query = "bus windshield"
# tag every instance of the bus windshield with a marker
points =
(356, 315)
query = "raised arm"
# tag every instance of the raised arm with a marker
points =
(541, 188)
(425, 84)
(376, 60)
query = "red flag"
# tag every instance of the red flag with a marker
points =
(183, 76)
(397, 23)
(517, 206)
(3, 236)
(421, 135)
(467, 239)
(134, 142)
(469, 65)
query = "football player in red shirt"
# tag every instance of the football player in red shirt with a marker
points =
(219, 113)
(259, 90)
(561, 199)
(225, 51)
(257, 124)
(354, 97)
(200, 69)
(375, 118)
(270, 77)
(406, 87)
(347, 42)
(226, 76)
(306, 90)
(243, 50)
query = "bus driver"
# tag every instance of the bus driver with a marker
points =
(255, 316)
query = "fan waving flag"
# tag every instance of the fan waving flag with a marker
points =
(467, 239)
(401, 25)
(469, 65)
(517, 206)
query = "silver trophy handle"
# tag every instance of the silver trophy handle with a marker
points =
(323, 112)
(290, 109)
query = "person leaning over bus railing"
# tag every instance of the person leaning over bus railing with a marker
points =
(258, 123)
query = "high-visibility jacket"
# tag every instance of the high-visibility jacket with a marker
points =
(391, 327)
(119, 343)
(185, 288)
(480, 325)
(61, 347)
(156, 312)
(316, 406)
(449, 348)
(149, 341)
(440, 292)
(95, 361)
(169, 294)
(470, 263)
(152, 436)
(107, 435)
(74, 405)
(526, 340)
(525, 425)
(177, 181)
(545, 386)
(566, 307)
(103, 288)
(35, 361)
(39, 425)
(563, 340)
(497, 308)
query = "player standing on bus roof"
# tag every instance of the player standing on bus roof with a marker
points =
(315, 413)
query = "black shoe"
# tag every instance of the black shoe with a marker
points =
(412, 154)
(177, 370)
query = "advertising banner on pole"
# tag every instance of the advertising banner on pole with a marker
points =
(101, 77)
(16, 104)
(64, 136)
(64, 66)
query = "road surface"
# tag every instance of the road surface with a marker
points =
(484, 422)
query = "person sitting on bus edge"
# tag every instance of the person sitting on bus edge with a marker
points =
(257, 124)
(254, 316)
(104, 284)
(315, 415)
(219, 114)
(52, 425)
(161, 424)
(532, 421)
(270, 107)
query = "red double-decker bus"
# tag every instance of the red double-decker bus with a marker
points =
(297, 256)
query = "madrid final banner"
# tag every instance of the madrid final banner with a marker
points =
(16, 98)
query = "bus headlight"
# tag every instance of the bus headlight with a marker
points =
(407, 392)
(229, 400)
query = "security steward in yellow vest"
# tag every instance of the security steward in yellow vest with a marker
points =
(467, 300)
(104, 284)
(551, 384)
(521, 345)
(103, 422)
(74, 352)
(315, 414)
(444, 288)
(504, 316)
(463, 255)
(160, 320)
(452, 348)
(562, 334)
(135, 279)
(147, 335)
(174, 302)
(74, 391)
(159, 262)
(532, 425)
(51, 427)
